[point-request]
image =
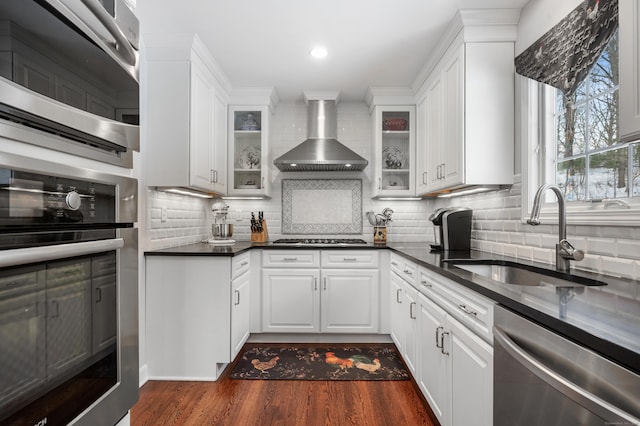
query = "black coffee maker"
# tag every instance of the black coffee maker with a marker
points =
(452, 229)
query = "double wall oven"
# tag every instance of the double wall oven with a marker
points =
(68, 237)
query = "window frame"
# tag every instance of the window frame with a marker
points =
(536, 124)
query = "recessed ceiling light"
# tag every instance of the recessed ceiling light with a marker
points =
(318, 52)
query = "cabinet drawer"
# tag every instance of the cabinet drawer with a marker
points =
(298, 258)
(240, 264)
(349, 259)
(405, 269)
(467, 306)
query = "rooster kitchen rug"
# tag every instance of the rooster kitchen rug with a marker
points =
(380, 362)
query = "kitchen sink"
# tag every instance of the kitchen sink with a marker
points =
(514, 273)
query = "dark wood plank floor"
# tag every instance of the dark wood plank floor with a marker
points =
(281, 402)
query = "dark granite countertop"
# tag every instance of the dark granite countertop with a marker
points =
(605, 318)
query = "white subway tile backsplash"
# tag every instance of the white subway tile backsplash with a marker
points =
(601, 246)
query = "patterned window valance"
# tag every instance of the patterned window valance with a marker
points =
(563, 56)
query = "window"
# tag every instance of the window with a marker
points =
(573, 142)
(590, 163)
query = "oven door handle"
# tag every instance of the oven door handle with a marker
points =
(122, 46)
(23, 256)
(585, 398)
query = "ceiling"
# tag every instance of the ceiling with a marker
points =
(267, 43)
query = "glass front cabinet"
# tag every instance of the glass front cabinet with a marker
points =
(394, 162)
(249, 150)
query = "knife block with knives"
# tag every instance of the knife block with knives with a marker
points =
(259, 233)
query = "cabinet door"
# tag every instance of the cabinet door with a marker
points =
(434, 133)
(410, 326)
(219, 144)
(349, 301)
(396, 299)
(30, 74)
(471, 377)
(433, 372)
(394, 161)
(201, 128)
(248, 150)
(240, 312)
(452, 142)
(629, 70)
(291, 300)
(422, 156)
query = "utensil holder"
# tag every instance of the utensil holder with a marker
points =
(379, 235)
(261, 237)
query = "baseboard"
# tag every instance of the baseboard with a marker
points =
(143, 375)
(318, 338)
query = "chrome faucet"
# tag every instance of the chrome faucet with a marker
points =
(565, 252)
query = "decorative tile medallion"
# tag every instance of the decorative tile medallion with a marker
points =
(322, 206)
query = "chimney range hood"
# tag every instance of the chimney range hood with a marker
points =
(321, 151)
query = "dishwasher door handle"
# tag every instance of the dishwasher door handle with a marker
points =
(585, 398)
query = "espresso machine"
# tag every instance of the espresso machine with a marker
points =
(452, 229)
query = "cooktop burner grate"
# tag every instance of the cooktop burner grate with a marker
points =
(321, 241)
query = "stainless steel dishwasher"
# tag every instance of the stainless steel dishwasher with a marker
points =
(541, 378)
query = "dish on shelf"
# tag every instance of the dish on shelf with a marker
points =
(249, 158)
(247, 181)
(395, 182)
(249, 123)
(392, 158)
(394, 124)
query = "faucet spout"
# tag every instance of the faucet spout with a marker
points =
(565, 252)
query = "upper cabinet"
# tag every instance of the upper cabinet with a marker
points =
(248, 164)
(465, 105)
(187, 98)
(629, 20)
(394, 138)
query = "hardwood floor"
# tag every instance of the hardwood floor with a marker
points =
(281, 402)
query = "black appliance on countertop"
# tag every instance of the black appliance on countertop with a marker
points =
(452, 229)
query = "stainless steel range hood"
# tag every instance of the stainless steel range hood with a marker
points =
(321, 151)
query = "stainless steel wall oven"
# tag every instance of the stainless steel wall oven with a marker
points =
(70, 68)
(68, 294)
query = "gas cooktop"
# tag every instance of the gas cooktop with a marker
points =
(321, 241)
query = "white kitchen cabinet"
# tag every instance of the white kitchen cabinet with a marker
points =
(186, 118)
(433, 376)
(455, 372)
(320, 291)
(396, 311)
(394, 151)
(404, 309)
(240, 308)
(249, 146)
(290, 300)
(197, 308)
(349, 301)
(629, 33)
(471, 364)
(465, 110)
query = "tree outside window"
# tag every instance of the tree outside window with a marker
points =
(590, 162)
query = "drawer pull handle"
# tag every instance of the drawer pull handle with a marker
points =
(324, 281)
(290, 259)
(394, 263)
(425, 283)
(349, 259)
(442, 343)
(408, 272)
(244, 263)
(438, 336)
(411, 305)
(315, 283)
(237, 297)
(398, 295)
(467, 310)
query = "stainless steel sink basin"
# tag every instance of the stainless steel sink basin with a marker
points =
(518, 274)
